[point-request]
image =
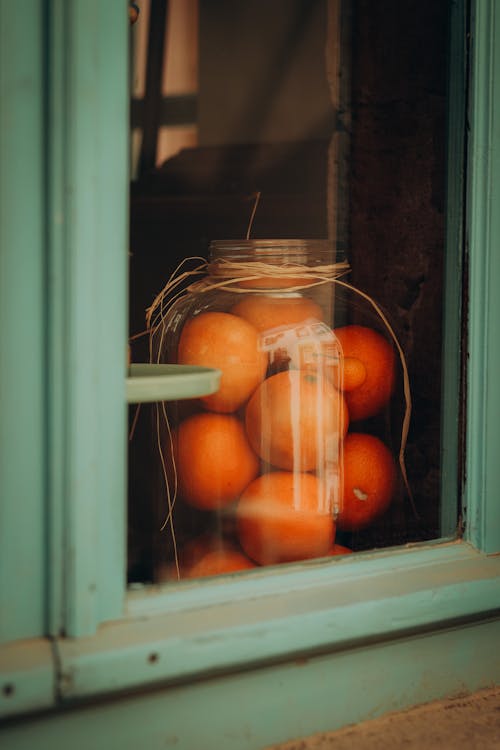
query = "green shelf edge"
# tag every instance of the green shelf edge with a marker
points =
(152, 382)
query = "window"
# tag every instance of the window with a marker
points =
(305, 116)
(397, 627)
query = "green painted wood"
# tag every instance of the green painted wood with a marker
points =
(27, 677)
(298, 580)
(22, 322)
(483, 195)
(451, 483)
(151, 382)
(88, 178)
(251, 710)
(57, 311)
(321, 607)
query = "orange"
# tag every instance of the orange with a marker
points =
(283, 517)
(196, 547)
(189, 552)
(350, 374)
(204, 555)
(225, 559)
(230, 344)
(213, 459)
(377, 358)
(265, 312)
(282, 321)
(369, 481)
(295, 420)
(339, 549)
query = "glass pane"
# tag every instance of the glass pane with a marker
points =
(310, 215)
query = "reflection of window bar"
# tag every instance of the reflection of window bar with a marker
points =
(164, 81)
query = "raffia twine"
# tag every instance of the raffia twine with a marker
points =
(228, 275)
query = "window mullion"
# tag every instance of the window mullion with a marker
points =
(483, 395)
(88, 221)
(22, 350)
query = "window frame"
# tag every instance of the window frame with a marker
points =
(89, 637)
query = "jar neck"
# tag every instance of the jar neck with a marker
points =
(280, 252)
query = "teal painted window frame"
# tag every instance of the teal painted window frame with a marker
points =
(77, 633)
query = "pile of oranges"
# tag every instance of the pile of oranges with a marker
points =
(278, 448)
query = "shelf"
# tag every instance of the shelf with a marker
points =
(150, 382)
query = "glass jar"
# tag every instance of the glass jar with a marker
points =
(294, 454)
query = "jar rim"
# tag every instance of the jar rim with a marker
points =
(276, 250)
(293, 243)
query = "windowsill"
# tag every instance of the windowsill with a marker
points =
(179, 633)
(27, 677)
(192, 630)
